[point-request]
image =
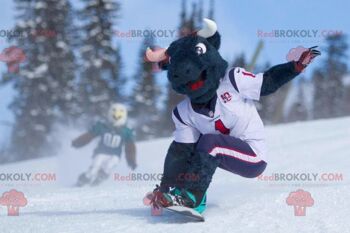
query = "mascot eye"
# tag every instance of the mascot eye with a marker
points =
(200, 48)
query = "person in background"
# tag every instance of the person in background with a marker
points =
(113, 136)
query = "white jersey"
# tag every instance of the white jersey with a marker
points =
(234, 113)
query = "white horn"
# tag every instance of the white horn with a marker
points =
(209, 28)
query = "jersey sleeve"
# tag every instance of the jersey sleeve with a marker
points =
(184, 133)
(128, 134)
(247, 84)
(97, 129)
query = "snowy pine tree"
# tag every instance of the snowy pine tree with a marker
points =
(296, 107)
(346, 83)
(100, 75)
(329, 89)
(145, 96)
(239, 61)
(211, 9)
(60, 36)
(320, 96)
(44, 83)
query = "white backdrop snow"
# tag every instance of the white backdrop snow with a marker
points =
(235, 204)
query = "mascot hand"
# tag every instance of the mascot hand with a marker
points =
(306, 58)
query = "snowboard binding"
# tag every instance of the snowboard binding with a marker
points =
(176, 200)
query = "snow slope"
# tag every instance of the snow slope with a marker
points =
(235, 204)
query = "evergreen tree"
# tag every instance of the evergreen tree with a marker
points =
(346, 82)
(329, 89)
(145, 97)
(211, 10)
(321, 99)
(61, 36)
(239, 61)
(100, 75)
(44, 82)
(297, 110)
(276, 103)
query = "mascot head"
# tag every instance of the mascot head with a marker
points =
(118, 114)
(194, 64)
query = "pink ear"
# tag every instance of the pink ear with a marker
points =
(156, 55)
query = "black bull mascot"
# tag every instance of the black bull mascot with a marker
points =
(217, 125)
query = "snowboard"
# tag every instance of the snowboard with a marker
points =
(186, 211)
(182, 210)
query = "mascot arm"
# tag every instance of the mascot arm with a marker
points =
(277, 76)
(83, 139)
(130, 154)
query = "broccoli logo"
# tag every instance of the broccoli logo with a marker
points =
(12, 56)
(300, 199)
(295, 53)
(13, 200)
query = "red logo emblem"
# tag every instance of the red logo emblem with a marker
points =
(12, 56)
(13, 200)
(219, 126)
(245, 73)
(226, 97)
(300, 199)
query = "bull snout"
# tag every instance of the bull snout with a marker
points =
(184, 72)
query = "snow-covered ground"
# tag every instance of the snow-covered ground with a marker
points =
(235, 204)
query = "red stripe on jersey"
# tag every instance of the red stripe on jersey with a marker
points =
(248, 74)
